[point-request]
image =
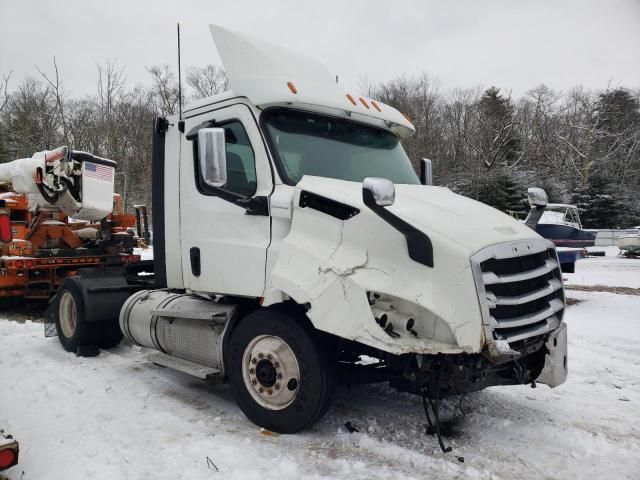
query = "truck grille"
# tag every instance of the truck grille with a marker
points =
(522, 295)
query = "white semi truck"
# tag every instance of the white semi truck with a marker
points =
(293, 239)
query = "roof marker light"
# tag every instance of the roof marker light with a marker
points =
(351, 99)
(292, 87)
(375, 105)
(364, 102)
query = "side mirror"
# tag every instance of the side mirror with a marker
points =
(379, 190)
(426, 176)
(537, 197)
(212, 155)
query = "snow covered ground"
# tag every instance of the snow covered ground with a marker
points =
(607, 271)
(118, 417)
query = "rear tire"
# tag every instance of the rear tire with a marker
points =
(109, 334)
(72, 328)
(279, 371)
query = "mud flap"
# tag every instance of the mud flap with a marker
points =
(554, 372)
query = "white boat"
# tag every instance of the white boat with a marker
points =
(629, 241)
(561, 224)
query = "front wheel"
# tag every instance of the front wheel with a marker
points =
(279, 371)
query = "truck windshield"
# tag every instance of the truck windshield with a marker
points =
(311, 144)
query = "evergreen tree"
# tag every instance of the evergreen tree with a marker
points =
(597, 204)
(498, 139)
(618, 131)
(617, 110)
(503, 193)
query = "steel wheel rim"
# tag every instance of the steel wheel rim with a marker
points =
(68, 315)
(271, 372)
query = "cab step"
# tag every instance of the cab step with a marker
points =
(195, 369)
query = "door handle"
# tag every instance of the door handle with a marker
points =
(194, 256)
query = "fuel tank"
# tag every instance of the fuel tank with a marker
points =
(177, 324)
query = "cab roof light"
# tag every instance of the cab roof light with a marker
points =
(292, 87)
(364, 102)
(351, 99)
(375, 105)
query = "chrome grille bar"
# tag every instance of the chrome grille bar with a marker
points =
(491, 278)
(554, 307)
(552, 286)
(520, 289)
(548, 325)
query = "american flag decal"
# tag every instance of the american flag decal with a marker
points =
(101, 172)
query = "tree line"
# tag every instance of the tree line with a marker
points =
(581, 146)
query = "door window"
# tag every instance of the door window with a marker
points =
(241, 163)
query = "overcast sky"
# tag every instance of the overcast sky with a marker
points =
(514, 44)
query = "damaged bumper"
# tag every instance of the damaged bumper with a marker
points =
(554, 372)
(543, 361)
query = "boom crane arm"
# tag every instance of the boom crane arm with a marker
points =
(77, 183)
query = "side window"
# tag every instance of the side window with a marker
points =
(241, 163)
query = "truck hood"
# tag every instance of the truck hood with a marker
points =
(331, 264)
(436, 211)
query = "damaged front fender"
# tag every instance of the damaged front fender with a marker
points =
(355, 271)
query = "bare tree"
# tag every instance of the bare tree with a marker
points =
(60, 94)
(165, 89)
(207, 81)
(111, 82)
(4, 91)
(29, 121)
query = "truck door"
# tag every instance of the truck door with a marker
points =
(225, 231)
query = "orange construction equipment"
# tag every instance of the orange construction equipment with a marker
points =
(40, 245)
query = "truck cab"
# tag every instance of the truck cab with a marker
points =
(292, 238)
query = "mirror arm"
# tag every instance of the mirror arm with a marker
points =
(426, 175)
(193, 133)
(254, 205)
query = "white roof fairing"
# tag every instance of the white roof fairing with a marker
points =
(260, 71)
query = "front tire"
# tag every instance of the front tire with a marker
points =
(279, 371)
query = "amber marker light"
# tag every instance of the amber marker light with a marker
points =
(364, 102)
(375, 105)
(292, 87)
(351, 99)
